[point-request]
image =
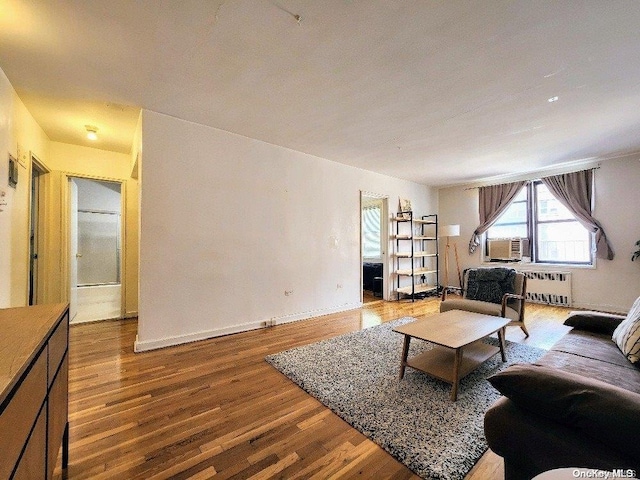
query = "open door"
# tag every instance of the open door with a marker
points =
(73, 249)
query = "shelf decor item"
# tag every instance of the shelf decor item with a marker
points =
(404, 208)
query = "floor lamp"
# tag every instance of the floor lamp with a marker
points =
(450, 231)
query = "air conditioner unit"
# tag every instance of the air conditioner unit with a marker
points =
(505, 248)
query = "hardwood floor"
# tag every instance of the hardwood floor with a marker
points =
(215, 408)
(368, 297)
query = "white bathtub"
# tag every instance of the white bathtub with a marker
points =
(98, 302)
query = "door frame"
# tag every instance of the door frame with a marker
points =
(384, 240)
(40, 274)
(66, 176)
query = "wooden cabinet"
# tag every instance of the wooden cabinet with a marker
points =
(416, 264)
(34, 378)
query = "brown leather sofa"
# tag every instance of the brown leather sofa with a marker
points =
(578, 406)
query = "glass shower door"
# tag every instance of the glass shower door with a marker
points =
(98, 248)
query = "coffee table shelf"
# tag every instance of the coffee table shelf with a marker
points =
(438, 361)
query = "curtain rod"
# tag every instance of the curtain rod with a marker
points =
(536, 177)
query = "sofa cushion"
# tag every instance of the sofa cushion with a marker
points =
(617, 375)
(627, 335)
(602, 411)
(477, 306)
(593, 345)
(594, 321)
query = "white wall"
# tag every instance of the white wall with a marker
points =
(6, 193)
(17, 127)
(89, 162)
(611, 285)
(228, 224)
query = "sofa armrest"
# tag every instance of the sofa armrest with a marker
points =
(596, 322)
(531, 444)
(599, 410)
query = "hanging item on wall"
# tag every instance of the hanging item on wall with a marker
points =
(404, 207)
(13, 172)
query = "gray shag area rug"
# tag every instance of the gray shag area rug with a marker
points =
(356, 376)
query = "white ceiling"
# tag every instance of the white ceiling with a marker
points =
(439, 92)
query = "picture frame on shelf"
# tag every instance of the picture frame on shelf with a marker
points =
(404, 207)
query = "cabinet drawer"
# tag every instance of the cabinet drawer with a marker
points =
(58, 346)
(58, 406)
(20, 413)
(32, 464)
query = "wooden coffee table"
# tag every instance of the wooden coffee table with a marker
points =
(460, 350)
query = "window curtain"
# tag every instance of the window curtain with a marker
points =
(575, 191)
(494, 200)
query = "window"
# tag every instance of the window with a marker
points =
(371, 247)
(553, 233)
(514, 221)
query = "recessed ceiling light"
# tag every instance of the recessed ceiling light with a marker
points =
(92, 132)
(552, 99)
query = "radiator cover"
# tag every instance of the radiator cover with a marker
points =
(552, 288)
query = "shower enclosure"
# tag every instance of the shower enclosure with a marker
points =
(98, 250)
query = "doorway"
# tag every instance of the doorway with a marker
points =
(95, 249)
(36, 227)
(373, 246)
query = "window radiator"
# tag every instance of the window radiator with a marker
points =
(553, 288)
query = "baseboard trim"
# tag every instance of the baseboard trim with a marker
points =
(601, 308)
(146, 345)
(316, 313)
(75, 321)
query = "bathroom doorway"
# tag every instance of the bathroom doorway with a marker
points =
(95, 253)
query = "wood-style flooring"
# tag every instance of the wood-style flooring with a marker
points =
(216, 409)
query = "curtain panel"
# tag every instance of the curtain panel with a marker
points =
(493, 201)
(575, 191)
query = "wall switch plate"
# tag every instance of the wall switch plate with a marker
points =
(22, 156)
(13, 172)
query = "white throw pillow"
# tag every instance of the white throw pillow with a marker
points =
(627, 334)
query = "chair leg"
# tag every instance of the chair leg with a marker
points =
(524, 329)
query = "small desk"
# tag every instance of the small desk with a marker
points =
(459, 349)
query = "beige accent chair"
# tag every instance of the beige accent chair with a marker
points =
(512, 305)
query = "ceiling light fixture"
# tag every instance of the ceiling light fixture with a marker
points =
(552, 99)
(92, 132)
